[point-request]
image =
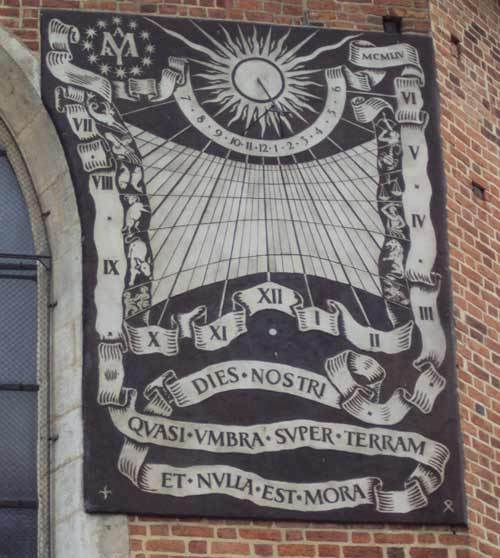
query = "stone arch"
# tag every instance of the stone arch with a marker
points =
(34, 146)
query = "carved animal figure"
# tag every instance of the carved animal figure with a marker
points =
(122, 148)
(139, 261)
(389, 158)
(104, 113)
(129, 176)
(133, 215)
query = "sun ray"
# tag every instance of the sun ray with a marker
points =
(222, 97)
(267, 43)
(246, 46)
(326, 48)
(222, 48)
(287, 123)
(193, 45)
(289, 54)
(304, 85)
(281, 42)
(213, 87)
(298, 74)
(229, 42)
(255, 42)
(209, 65)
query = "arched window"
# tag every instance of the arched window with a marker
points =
(37, 159)
(23, 358)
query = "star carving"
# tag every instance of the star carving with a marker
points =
(104, 69)
(118, 47)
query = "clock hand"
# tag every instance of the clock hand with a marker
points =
(272, 101)
(274, 107)
(259, 81)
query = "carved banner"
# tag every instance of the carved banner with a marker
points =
(267, 307)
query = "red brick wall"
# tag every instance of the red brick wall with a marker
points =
(469, 87)
(468, 79)
(21, 16)
(159, 538)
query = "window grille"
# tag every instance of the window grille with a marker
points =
(23, 362)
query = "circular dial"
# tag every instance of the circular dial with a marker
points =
(258, 79)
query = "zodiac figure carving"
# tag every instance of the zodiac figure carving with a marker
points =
(104, 114)
(389, 140)
(129, 175)
(395, 221)
(134, 303)
(395, 256)
(140, 261)
(132, 217)
(394, 292)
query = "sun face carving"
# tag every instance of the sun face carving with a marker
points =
(258, 79)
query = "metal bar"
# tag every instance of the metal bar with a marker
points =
(37, 257)
(22, 277)
(19, 504)
(19, 387)
(18, 266)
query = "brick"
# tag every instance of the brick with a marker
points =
(160, 530)
(197, 547)
(135, 544)
(9, 12)
(329, 550)
(136, 529)
(429, 552)
(327, 535)
(196, 531)
(294, 535)
(233, 548)
(164, 545)
(263, 550)
(394, 538)
(362, 552)
(487, 498)
(226, 533)
(296, 550)
(453, 540)
(261, 534)
(358, 537)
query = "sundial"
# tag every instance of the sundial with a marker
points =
(267, 328)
